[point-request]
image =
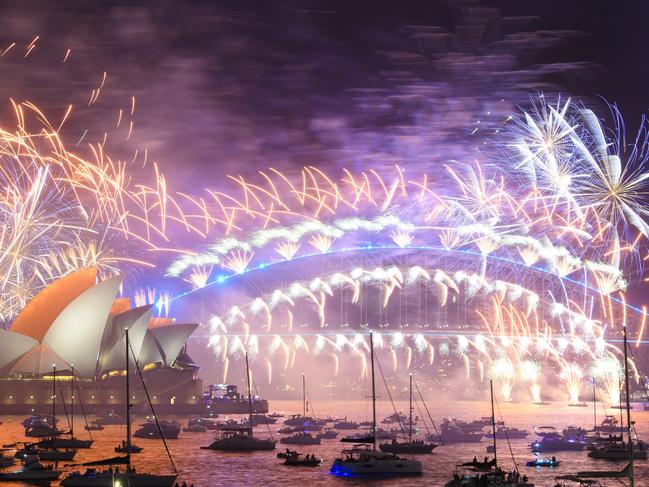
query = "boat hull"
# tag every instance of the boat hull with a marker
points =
(241, 445)
(31, 476)
(373, 468)
(106, 480)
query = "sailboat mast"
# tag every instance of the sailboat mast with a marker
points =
(72, 403)
(628, 409)
(249, 394)
(128, 408)
(493, 420)
(594, 406)
(410, 410)
(53, 428)
(303, 396)
(373, 394)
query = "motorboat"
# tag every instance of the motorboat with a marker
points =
(94, 426)
(109, 417)
(124, 448)
(41, 430)
(169, 429)
(37, 419)
(361, 460)
(395, 418)
(303, 438)
(578, 405)
(240, 439)
(511, 433)
(619, 451)
(55, 455)
(58, 442)
(449, 432)
(308, 461)
(494, 478)
(480, 466)
(343, 424)
(195, 427)
(32, 471)
(327, 434)
(259, 419)
(609, 425)
(411, 447)
(287, 453)
(365, 460)
(227, 424)
(113, 477)
(276, 415)
(556, 442)
(299, 420)
(544, 462)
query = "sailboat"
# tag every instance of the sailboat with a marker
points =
(410, 446)
(111, 478)
(488, 473)
(365, 460)
(238, 438)
(55, 441)
(302, 437)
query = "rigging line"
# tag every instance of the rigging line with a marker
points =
(509, 445)
(155, 416)
(254, 385)
(83, 410)
(423, 419)
(403, 432)
(427, 411)
(65, 409)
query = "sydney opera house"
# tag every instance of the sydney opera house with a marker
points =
(78, 325)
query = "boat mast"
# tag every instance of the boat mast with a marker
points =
(303, 397)
(373, 395)
(594, 406)
(128, 408)
(410, 421)
(249, 395)
(72, 403)
(493, 420)
(628, 409)
(53, 428)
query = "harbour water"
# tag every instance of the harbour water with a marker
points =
(205, 468)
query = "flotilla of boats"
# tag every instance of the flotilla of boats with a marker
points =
(375, 452)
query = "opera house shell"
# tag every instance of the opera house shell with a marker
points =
(78, 325)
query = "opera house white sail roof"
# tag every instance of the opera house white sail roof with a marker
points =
(70, 323)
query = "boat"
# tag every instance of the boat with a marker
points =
(94, 426)
(327, 434)
(32, 471)
(487, 473)
(578, 405)
(552, 443)
(35, 419)
(55, 441)
(511, 433)
(241, 438)
(125, 448)
(227, 425)
(449, 432)
(195, 426)
(494, 478)
(343, 424)
(544, 462)
(395, 418)
(379, 433)
(308, 461)
(157, 429)
(6, 460)
(276, 415)
(365, 460)
(113, 477)
(410, 446)
(108, 417)
(609, 425)
(260, 419)
(303, 438)
(619, 451)
(41, 430)
(287, 453)
(299, 420)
